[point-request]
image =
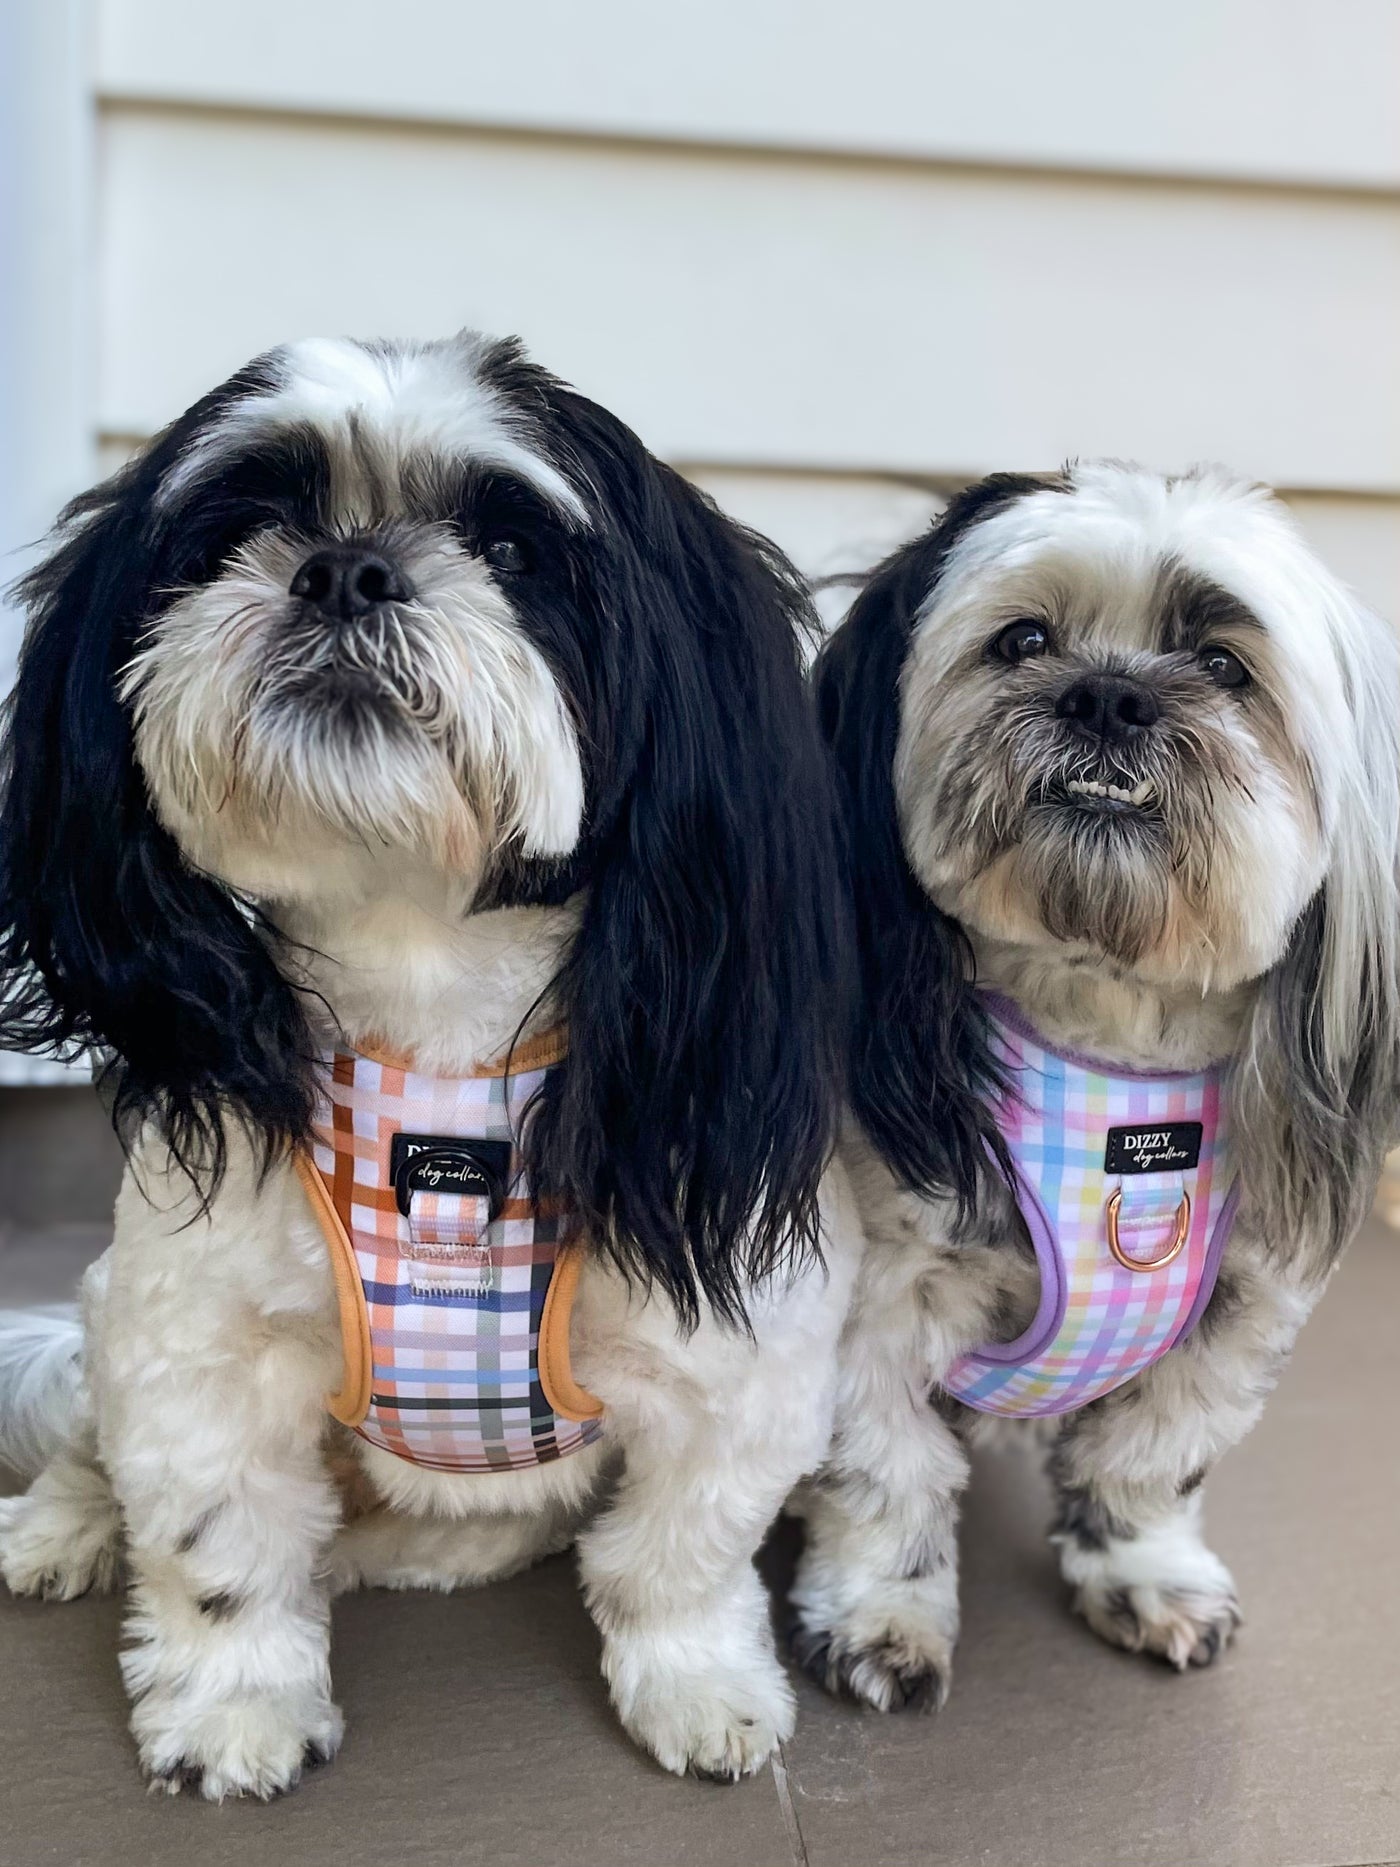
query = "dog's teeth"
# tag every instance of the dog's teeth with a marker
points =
(1141, 793)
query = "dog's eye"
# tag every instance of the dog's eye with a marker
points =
(1022, 641)
(506, 554)
(1225, 669)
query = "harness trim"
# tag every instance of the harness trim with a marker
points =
(350, 1403)
(540, 1052)
(1127, 1245)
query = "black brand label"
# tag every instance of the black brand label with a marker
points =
(444, 1163)
(1155, 1147)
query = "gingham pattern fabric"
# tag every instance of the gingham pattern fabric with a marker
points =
(1098, 1323)
(454, 1304)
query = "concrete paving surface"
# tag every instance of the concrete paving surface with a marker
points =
(479, 1731)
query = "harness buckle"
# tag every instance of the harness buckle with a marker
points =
(1173, 1250)
(470, 1169)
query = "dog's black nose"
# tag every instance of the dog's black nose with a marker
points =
(1108, 706)
(347, 581)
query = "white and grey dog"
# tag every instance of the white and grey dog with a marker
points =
(1118, 746)
(397, 690)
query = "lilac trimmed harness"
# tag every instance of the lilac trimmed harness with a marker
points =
(1124, 1180)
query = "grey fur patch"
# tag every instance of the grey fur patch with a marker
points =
(1080, 1515)
(1193, 611)
(928, 1556)
(950, 1410)
(837, 1670)
(196, 1531)
(1226, 1303)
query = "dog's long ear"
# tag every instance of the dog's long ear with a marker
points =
(107, 938)
(1317, 1095)
(920, 1062)
(704, 995)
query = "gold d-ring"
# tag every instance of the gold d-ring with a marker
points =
(1183, 1226)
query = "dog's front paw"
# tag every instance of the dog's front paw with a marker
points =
(256, 1745)
(713, 1718)
(61, 1540)
(1184, 1627)
(1173, 1599)
(893, 1655)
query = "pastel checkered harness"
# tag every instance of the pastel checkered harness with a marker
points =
(454, 1305)
(1099, 1322)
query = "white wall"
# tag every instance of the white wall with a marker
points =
(774, 310)
(803, 247)
(47, 299)
(1273, 90)
(48, 411)
(827, 258)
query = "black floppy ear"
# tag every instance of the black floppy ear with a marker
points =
(704, 995)
(108, 939)
(920, 1063)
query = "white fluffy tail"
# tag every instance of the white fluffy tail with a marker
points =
(40, 1379)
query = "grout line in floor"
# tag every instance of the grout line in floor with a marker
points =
(786, 1809)
(1353, 1864)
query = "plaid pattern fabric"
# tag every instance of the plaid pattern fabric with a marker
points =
(454, 1303)
(1098, 1323)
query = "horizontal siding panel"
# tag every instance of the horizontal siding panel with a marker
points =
(1261, 89)
(21, 1072)
(773, 312)
(832, 526)
(1360, 539)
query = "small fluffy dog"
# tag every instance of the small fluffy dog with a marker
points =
(1117, 747)
(395, 700)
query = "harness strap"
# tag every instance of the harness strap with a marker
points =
(350, 1402)
(442, 1227)
(1125, 1182)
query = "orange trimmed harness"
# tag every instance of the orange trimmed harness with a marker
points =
(455, 1285)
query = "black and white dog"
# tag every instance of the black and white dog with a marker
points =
(1119, 747)
(396, 691)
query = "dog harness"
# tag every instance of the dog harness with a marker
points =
(454, 1284)
(1124, 1180)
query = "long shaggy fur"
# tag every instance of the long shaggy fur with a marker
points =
(1271, 852)
(920, 1065)
(692, 1131)
(109, 938)
(397, 699)
(1124, 739)
(40, 1374)
(626, 724)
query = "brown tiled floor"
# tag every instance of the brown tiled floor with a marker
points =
(479, 1731)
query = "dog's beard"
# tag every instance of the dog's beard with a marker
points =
(432, 726)
(1112, 844)
(1176, 853)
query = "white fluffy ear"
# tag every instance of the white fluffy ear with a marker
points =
(547, 771)
(1318, 1095)
(1359, 976)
